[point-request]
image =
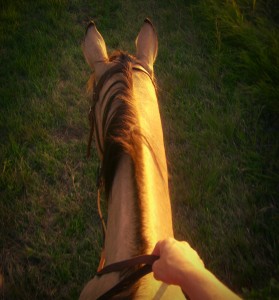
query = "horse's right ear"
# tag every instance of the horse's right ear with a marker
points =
(147, 45)
(94, 49)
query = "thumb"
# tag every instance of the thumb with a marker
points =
(157, 249)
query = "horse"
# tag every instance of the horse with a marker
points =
(128, 134)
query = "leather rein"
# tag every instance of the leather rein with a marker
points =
(144, 262)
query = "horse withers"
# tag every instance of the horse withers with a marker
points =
(127, 128)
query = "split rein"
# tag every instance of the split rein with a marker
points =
(144, 262)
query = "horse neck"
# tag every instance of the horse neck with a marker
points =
(139, 213)
(156, 208)
(155, 203)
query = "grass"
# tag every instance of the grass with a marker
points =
(217, 73)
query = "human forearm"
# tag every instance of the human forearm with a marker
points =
(179, 264)
(202, 284)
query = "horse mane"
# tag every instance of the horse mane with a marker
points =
(122, 135)
(121, 131)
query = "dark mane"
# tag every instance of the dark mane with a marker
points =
(121, 130)
(121, 135)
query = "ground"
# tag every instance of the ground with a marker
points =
(217, 75)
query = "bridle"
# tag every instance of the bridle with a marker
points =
(143, 261)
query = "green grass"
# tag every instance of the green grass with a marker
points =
(217, 73)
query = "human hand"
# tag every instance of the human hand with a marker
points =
(177, 260)
(179, 264)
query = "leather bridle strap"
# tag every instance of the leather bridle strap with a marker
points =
(147, 260)
(139, 67)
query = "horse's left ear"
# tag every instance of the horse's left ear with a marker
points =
(147, 45)
(95, 51)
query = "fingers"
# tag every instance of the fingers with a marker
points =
(162, 245)
(154, 270)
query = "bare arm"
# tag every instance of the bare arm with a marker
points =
(179, 264)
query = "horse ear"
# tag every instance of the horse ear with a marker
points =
(94, 49)
(147, 45)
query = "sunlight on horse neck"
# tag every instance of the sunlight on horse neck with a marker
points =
(155, 204)
(157, 220)
(156, 209)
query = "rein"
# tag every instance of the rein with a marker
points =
(144, 262)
